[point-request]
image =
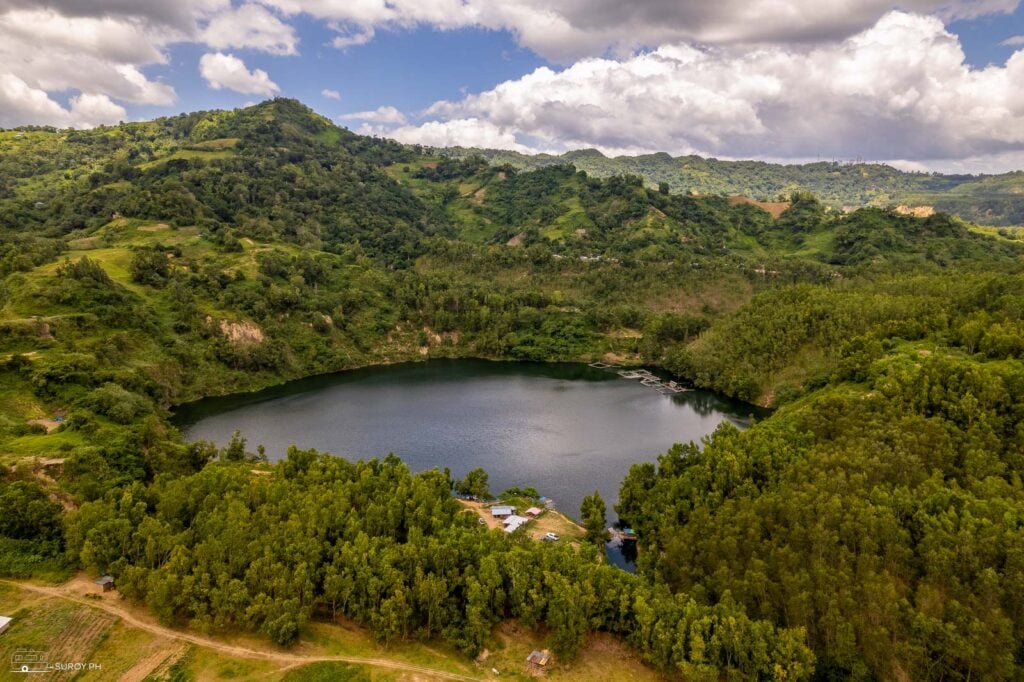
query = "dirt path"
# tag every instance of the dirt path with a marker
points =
(289, 660)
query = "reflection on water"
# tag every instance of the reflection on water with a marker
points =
(566, 429)
(622, 554)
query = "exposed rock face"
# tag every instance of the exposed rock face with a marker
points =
(242, 333)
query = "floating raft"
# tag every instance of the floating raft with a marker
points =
(626, 535)
(648, 379)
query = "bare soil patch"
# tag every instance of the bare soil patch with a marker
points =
(774, 208)
(916, 211)
(48, 424)
(242, 333)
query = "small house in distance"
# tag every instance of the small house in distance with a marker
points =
(534, 512)
(502, 511)
(5, 622)
(537, 662)
(106, 582)
(514, 523)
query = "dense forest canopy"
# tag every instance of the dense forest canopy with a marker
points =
(872, 527)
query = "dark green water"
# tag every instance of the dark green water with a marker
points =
(565, 429)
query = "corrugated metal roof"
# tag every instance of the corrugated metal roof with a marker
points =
(512, 523)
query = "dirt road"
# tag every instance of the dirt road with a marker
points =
(286, 659)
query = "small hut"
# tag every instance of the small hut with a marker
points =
(502, 511)
(5, 622)
(538, 662)
(534, 512)
(106, 582)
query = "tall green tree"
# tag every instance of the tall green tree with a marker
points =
(592, 512)
(474, 483)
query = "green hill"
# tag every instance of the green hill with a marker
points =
(870, 528)
(984, 199)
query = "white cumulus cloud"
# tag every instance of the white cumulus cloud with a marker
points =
(22, 104)
(330, 94)
(379, 115)
(52, 52)
(251, 26)
(467, 132)
(227, 71)
(900, 89)
(564, 30)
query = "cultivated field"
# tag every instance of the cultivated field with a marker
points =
(77, 623)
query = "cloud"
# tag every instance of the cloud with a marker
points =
(469, 132)
(94, 55)
(387, 115)
(564, 30)
(1014, 41)
(227, 71)
(173, 15)
(350, 38)
(88, 111)
(21, 104)
(1003, 162)
(330, 94)
(900, 89)
(251, 26)
(98, 51)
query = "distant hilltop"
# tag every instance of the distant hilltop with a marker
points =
(984, 199)
(163, 145)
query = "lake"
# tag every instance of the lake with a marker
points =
(565, 429)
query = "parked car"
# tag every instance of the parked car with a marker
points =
(551, 537)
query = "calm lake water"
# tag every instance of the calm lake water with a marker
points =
(566, 429)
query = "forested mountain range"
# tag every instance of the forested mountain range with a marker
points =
(985, 199)
(871, 528)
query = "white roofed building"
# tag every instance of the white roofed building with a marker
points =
(514, 523)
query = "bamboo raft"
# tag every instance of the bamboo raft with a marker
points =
(649, 380)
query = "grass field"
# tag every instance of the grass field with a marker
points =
(75, 623)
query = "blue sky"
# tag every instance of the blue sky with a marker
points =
(982, 37)
(409, 69)
(926, 84)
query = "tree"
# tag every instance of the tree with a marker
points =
(473, 483)
(26, 513)
(592, 511)
(150, 266)
(235, 451)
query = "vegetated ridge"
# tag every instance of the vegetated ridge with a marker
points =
(985, 199)
(869, 528)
